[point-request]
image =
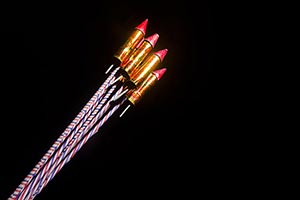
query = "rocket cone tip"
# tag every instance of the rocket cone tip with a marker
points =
(161, 54)
(159, 73)
(152, 39)
(143, 26)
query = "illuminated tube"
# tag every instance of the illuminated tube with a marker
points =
(150, 63)
(131, 43)
(134, 96)
(139, 54)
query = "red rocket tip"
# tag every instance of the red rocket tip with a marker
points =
(161, 54)
(159, 73)
(152, 39)
(143, 26)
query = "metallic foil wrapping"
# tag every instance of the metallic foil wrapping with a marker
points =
(137, 57)
(136, 95)
(126, 49)
(145, 68)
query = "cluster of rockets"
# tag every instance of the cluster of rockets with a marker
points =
(132, 72)
(137, 64)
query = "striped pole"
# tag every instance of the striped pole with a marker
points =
(18, 193)
(77, 147)
(65, 147)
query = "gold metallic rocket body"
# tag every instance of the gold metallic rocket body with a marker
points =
(131, 43)
(137, 57)
(145, 68)
(135, 96)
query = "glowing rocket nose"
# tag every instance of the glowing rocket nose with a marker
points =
(152, 39)
(162, 54)
(159, 73)
(143, 26)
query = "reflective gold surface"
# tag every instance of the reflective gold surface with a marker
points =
(137, 57)
(126, 49)
(135, 96)
(145, 68)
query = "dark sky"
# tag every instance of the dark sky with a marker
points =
(55, 57)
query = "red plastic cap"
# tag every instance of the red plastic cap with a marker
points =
(161, 54)
(159, 73)
(143, 26)
(152, 39)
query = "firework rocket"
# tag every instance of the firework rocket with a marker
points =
(134, 40)
(134, 73)
(134, 96)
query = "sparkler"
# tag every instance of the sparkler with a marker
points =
(131, 74)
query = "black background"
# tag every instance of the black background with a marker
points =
(177, 141)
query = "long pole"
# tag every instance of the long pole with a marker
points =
(21, 189)
(92, 130)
